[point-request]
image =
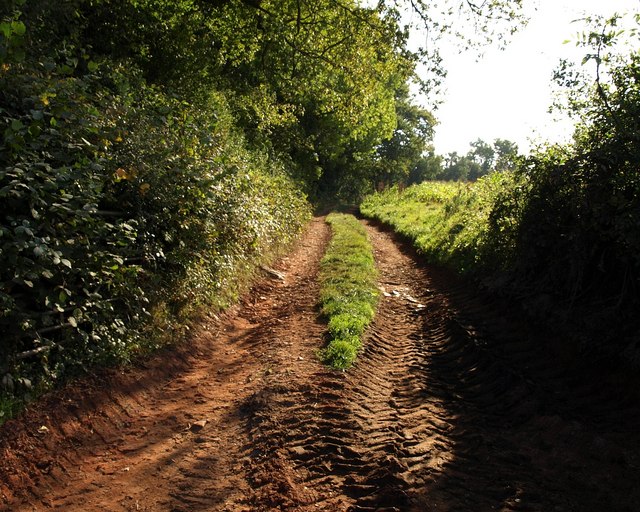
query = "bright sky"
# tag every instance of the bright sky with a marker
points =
(507, 93)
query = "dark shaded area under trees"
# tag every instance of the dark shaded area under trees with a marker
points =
(568, 228)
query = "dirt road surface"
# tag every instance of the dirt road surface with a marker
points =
(455, 404)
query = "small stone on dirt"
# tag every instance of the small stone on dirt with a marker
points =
(298, 450)
(198, 426)
(275, 274)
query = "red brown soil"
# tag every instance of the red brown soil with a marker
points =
(453, 404)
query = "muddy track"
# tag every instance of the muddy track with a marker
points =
(454, 404)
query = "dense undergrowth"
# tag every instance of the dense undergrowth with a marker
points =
(122, 219)
(348, 289)
(125, 207)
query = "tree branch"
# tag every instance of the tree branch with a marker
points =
(34, 352)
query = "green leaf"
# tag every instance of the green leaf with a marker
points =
(18, 28)
(35, 130)
(72, 321)
(5, 28)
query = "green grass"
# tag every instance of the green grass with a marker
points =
(10, 405)
(348, 290)
(447, 222)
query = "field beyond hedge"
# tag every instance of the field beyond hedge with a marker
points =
(448, 222)
(502, 232)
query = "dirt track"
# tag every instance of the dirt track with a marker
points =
(454, 404)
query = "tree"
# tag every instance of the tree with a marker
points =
(480, 160)
(459, 168)
(335, 68)
(506, 153)
(429, 167)
(483, 155)
(398, 156)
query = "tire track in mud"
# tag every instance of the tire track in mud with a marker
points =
(170, 433)
(440, 415)
(453, 405)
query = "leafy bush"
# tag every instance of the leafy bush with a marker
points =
(121, 206)
(63, 260)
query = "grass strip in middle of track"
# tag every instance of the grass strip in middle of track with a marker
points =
(348, 291)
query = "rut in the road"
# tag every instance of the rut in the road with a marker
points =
(453, 405)
(169, 434)
(437, 415)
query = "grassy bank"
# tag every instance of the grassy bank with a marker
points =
(448, 222)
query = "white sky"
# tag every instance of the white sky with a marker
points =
(507, 93)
